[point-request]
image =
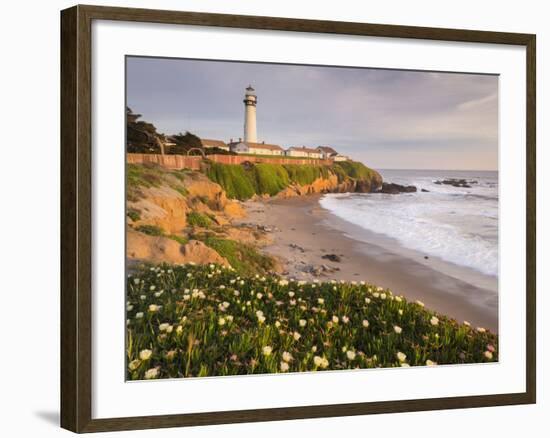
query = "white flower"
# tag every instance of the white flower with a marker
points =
(375, 294)
(400, 311)
(261, 319)
(145, 354)
(314, 348)
(142, 297)
(284, 366)
(488, 354)
(434, 320)
(229, 318)
(397, 329)
(283, 282)
(291, 294)
(186, 297)
(379, 289)
(287, 357)
(365, 323)
(221, 321)
(296, 336)
(398, 299)
(320, 300)
(139, 315)
(383, 296)
(303, 323)
(277, 324)
(132, 366)
(420, 303)
(159, 293)
(350, 354)
(335, 319)
(267, 350)
(259, 295)
(164, 326)
(136, 280)
(431, 363)
(345, 319)
(480, 330)
(129, 308)
(151, 373)
(320, 362)
(401, 356)
(179, 330)
(466, 323)
(153, 308)
(367, 300)
(152, 287)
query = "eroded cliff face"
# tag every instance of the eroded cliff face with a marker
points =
(183, 216)
(158, 229)
(332, 185)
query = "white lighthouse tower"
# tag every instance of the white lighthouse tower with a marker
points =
(250, 101)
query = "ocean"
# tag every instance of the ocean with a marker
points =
(455, 225)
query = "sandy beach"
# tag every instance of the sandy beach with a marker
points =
(303, 232)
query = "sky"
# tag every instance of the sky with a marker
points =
(388, 119)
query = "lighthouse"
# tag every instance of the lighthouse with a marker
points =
(250, 100)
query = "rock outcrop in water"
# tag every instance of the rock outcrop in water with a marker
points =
(456, 182)
(395, 189)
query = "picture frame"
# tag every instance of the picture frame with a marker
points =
(77, 170)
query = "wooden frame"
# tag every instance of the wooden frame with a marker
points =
(76, 168)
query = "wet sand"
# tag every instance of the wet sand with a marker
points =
(303, 232)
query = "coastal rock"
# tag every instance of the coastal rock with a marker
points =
(197, 252)
(332, 257)
(199, 186)
(395, 189)
(162, 207)
(456, 182)
(234, 210)
(159, 249)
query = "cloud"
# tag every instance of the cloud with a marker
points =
(354, 109)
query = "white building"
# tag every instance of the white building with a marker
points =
(340, 158)
(302, 152)
(250, 101)
(246, 147)
(209, 143)
(327, 152)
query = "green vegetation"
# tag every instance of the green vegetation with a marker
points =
(152, 175)
(143, 175)
(244, 258)
(244, 181)
(151, 230)
(306, 173)
(355, 170)
(180, 239)
(233, 178)
(196, 219)
(269, 178)
(189, 321)
(133, 214)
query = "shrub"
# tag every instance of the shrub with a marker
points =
(233, 179)
(270, 178)
(151, 230)
(196, 219)
(306, 173)
(244, 258)
(133, 214)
